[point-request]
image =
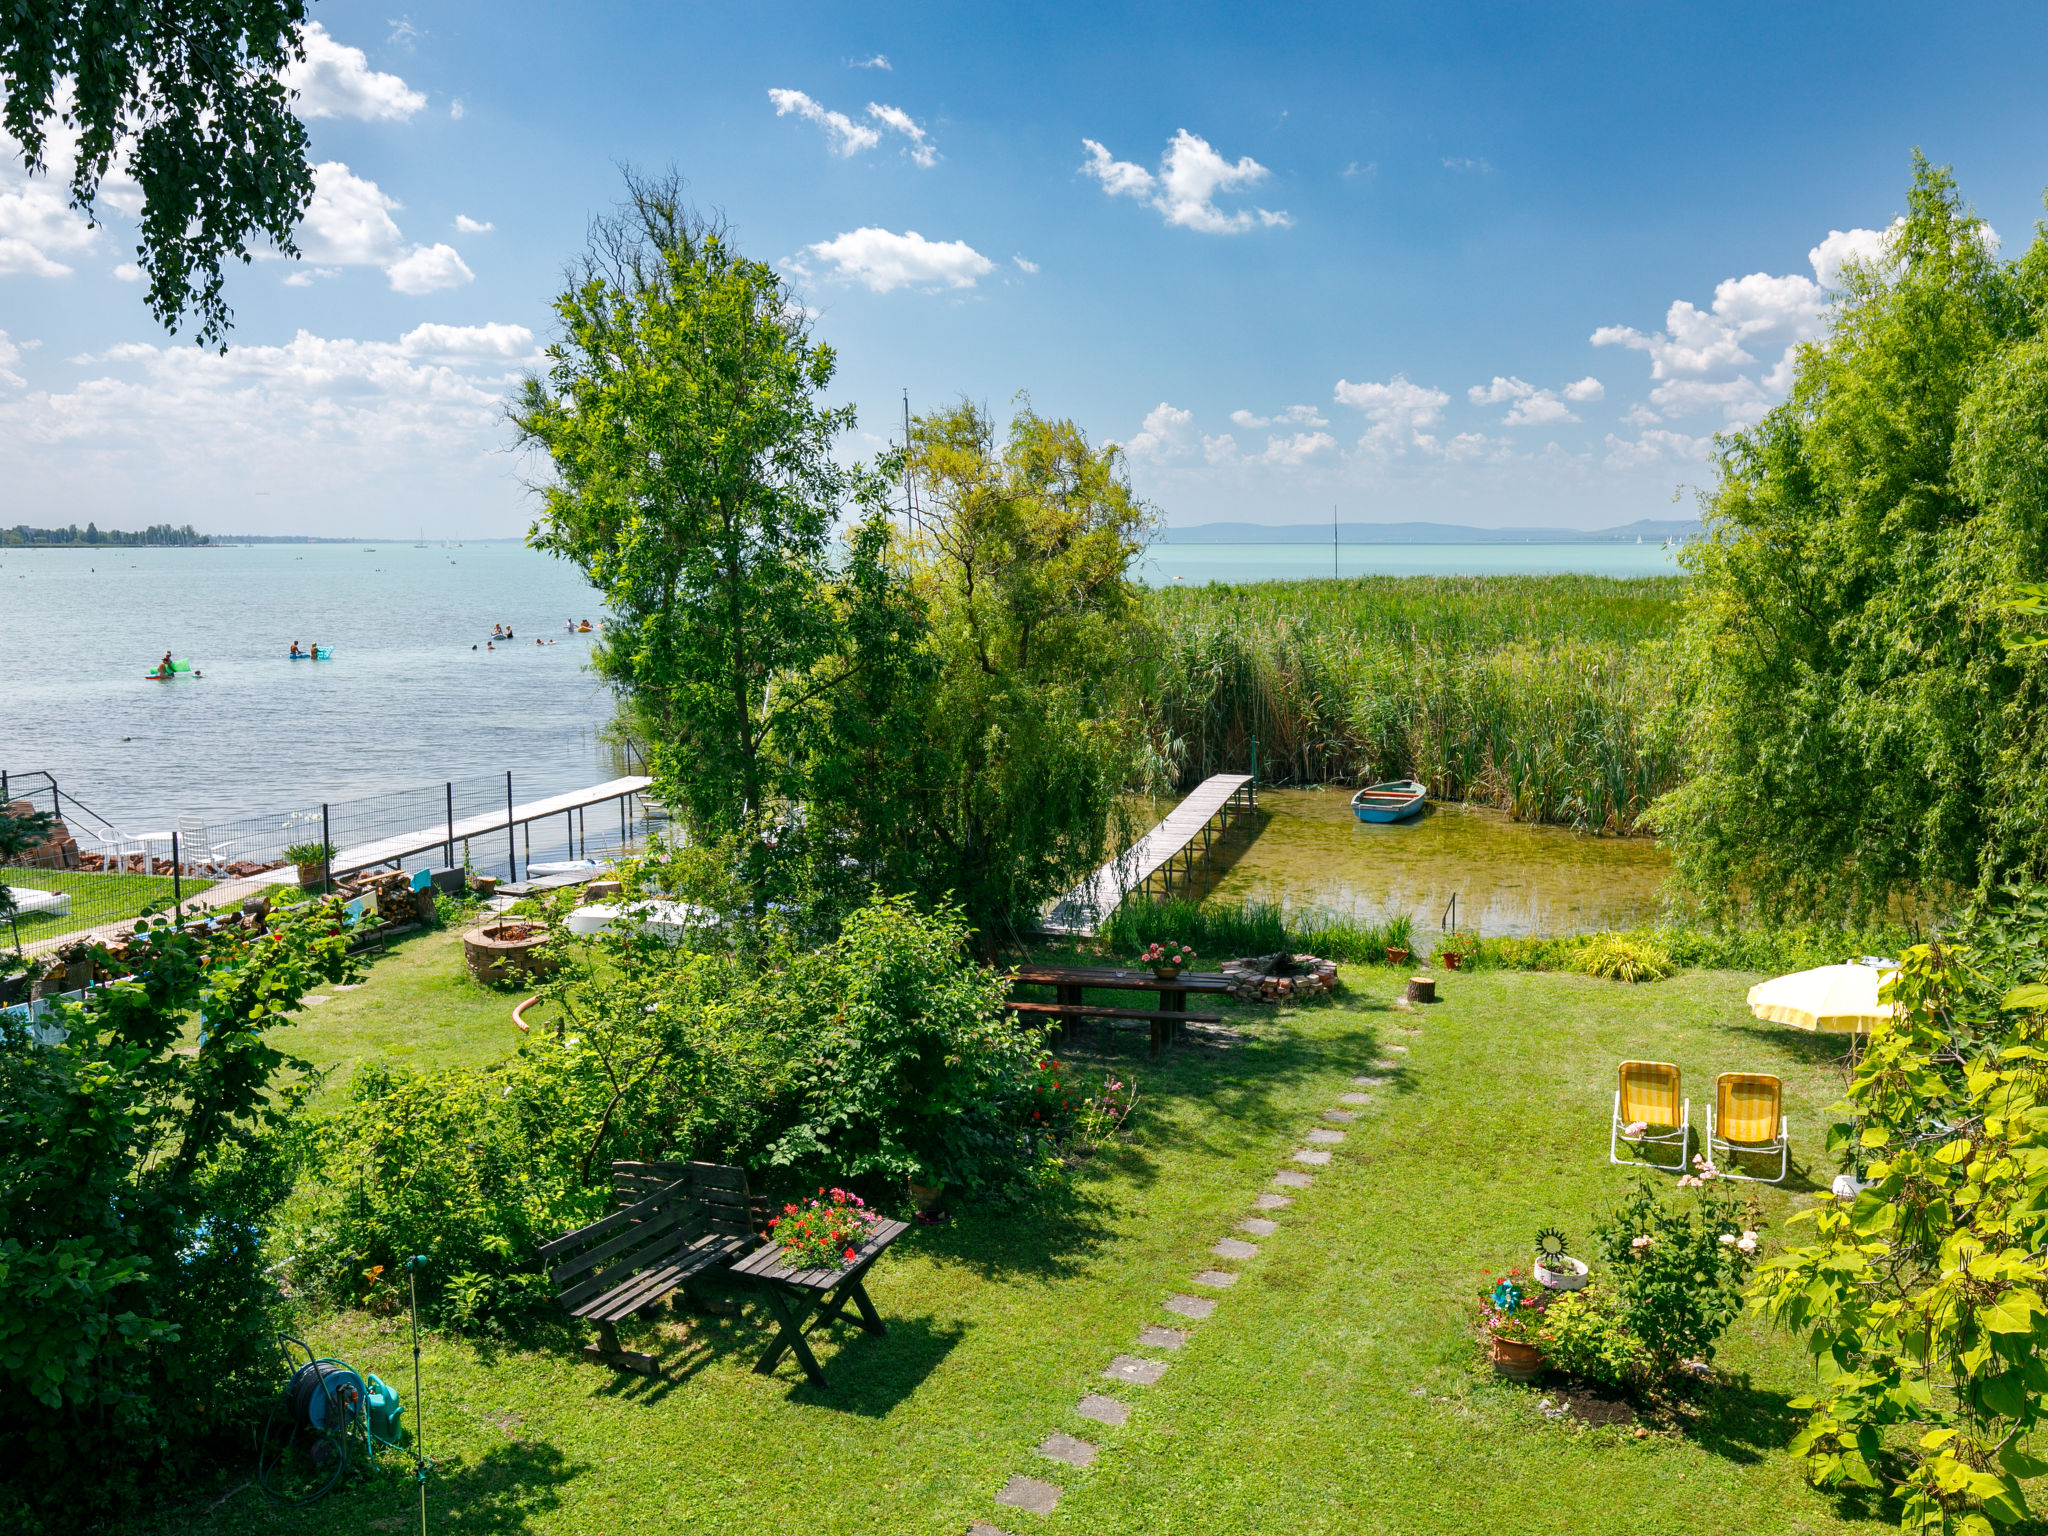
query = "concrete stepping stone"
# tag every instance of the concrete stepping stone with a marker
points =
(1313, 1159)
(1029, 1493)
(1389, 1066)
(1197, 1307)
(1235, 1248)
(1356, 1098)
(1137, 1372)
(1221, 1279)
(1287, 1178)
(1368, 1080)
(1340, 1116)
(983, 1528)
(1401, 1048)
(1075, 1453)
(315, 1001)
(1325, 1137)
(1104, 1410)
(1152, 1336)
(1268, 1201)
(1258, 1226)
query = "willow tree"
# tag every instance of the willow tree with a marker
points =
(695, 483)
(1859, 724)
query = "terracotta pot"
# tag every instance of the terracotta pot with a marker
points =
(1166, 972)
(312, 876)
(1451, 958)
(1517, 1362)
(1396, 955)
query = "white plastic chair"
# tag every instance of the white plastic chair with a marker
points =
(114, 848)
(197, 848)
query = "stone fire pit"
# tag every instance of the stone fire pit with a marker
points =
(507, 950)
(1275, 978)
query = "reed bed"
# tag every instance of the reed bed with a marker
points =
(1549, 697)
(1227, 930)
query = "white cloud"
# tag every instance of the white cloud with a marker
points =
(1532, 407)
(37, 227)
(1842, 246)
(128, 272)
(428, 269)
(1396, 410)
(1370, 169)
(1654, 447)
(1501, 389)
(456, 109)
(1457, 163)
(921, 150)
(1296, 449)
(349, 221)
(1220, 450)
(1023, 265)
(1739, 399)
(1588, 388)
(1164, 434)
(10, 354)
(335, 80)
(479, 341)
(880, 260)
(845, 137)
(876, 61)
(1302, 415)
(1757, 310)
(1190, 176)
(1640, 415)
(1541, 409)
(305, 277)
(1466, 448)
(465, 225)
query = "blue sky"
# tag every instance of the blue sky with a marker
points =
(1418, 263)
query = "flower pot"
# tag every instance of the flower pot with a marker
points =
(312, 876)
(1166, 972)
(1396, 955)
(1571, 1277)
(926, 1197)
(1451, 958)
(1517, 1362)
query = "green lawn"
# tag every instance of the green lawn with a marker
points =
(1336, 1387)
(95, 899)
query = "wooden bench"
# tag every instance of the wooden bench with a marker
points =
(676, 1223)
(1164, 1021)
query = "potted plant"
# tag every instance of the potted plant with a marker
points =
(1167, 960)
(1453, 948)
(823, 1233)
(1400, 939)
(1514, 1327)
(1555, 1269)
(312, 861)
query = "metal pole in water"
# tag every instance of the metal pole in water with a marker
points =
(511, 842)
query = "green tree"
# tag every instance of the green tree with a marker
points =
(1857, 726)
(695, 484)
(188, 93)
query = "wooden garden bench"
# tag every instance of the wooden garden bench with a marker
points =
(676, 1223)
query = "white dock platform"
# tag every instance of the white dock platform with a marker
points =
(1216, 802)
(387, 850)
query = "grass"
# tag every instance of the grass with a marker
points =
(1546, 696)
(95, 898)
(1336, 1387)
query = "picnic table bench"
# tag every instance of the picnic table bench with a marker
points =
(676, 1223)
(1070, 981)
(793, 1294)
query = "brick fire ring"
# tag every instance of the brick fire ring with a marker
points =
(507, 950)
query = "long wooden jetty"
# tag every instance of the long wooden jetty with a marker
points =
(408, 845)
(1169, 849)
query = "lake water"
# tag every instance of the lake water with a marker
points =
(1307, 850)
(1196, 564)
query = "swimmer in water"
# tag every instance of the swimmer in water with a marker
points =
(296, 652)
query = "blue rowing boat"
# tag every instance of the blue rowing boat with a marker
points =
(1395, 800)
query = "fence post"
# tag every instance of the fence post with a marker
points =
(511, 842)
(327, 855)
(177, 882)
(451, 823)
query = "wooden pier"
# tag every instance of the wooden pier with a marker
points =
(408, 845)
(1165, 853)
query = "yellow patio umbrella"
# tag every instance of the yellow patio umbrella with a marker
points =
(1832, 1000)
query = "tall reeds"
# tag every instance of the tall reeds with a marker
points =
(1546, 696)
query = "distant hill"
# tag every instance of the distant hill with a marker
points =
(1426, 533)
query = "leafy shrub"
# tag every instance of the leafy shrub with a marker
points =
(1618, 957)
(1587, 1335)
(1676, 1270)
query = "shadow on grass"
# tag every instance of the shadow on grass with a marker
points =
(504, 1489)
(1738, 1422)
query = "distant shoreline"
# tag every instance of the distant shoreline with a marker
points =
(1644, 532)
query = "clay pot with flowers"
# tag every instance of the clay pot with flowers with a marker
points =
(1515, 1326)
(1167, 961)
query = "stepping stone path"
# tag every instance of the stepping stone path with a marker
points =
(1341, 1116)
(1325, 1138)
(1356, 1098)
(1075, 1453)
(1268, 1201)
(1222, 1279)
(1196, 1307)
(983, 1528)
(1313, 1159)
(1103, 1410)
(1258, 1226)
(1235, 1248)
(316, 1001)
(1367, 1080)
(1287, 1178)
(1029, 1493)
(1152, 1336)
(1139, 1373)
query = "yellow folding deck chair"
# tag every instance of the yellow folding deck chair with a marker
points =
(1748, 1115)
(1649, 1095)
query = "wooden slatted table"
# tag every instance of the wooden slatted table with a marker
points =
(1070, 981)
(793, 1294)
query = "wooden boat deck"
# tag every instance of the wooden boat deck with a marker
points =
(1224, 796)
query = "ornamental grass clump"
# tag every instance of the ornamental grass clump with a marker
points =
(822, 1233)
(1618, 957)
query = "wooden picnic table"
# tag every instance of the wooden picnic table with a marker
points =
(793, 1294)
(1070, 981)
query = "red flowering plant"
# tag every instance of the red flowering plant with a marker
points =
(824, 1233)
(1054, 1097)
(1512, 1311)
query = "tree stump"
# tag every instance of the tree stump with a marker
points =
(1421, 989)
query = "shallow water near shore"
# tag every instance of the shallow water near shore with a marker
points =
(1306, 851)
